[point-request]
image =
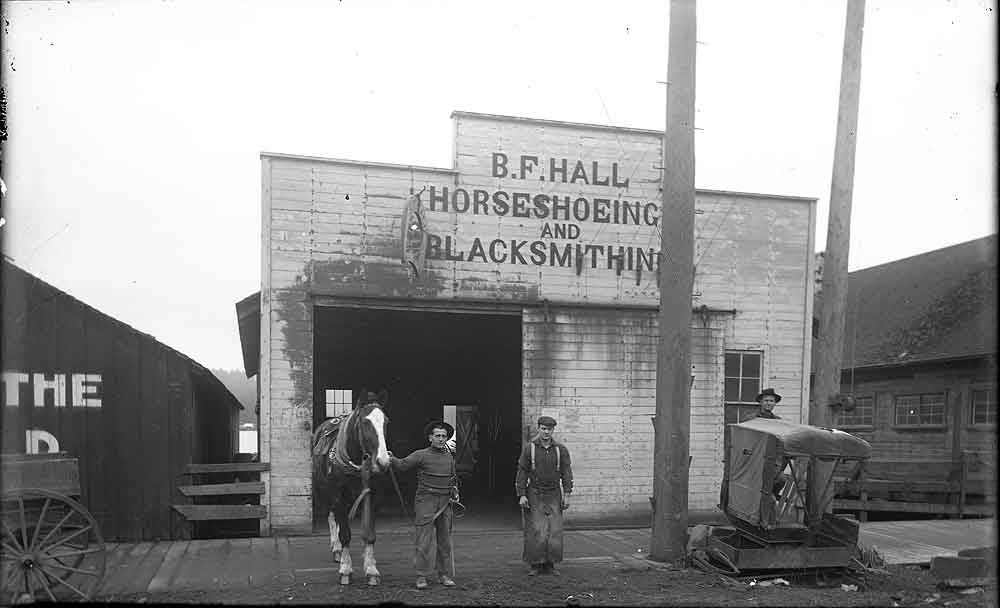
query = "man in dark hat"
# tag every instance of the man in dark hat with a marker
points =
(767, 400)
(544, 484)
(437, 487)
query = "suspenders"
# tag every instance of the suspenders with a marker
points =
(558, 464)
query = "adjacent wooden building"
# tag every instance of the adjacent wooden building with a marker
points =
(134, 411)
(524, 283)
(920, 358)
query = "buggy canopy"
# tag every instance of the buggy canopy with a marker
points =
(793, 439)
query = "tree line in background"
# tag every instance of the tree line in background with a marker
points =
(245, 389)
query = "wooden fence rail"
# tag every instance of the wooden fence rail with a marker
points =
(907, 486)
(224, 491)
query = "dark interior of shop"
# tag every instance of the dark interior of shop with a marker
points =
(426, 361)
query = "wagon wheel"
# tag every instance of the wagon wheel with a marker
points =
(52, 547)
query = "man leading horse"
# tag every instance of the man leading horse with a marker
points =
(437, 490)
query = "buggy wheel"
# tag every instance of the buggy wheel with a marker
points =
(52, 548)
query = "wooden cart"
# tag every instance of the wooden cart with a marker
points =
(52, 549)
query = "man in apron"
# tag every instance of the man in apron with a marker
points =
(437, 487)
(544, 483)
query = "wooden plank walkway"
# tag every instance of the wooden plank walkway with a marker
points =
(916, 542)
(239, 563)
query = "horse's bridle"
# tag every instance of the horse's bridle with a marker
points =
(366, 459)
(365, 454)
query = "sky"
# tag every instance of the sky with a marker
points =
(132, 164)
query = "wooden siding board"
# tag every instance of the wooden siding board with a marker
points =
(149, 438)
(70, 424)
(100, 439)
(128, 428)
(178, 391)
(159, 471)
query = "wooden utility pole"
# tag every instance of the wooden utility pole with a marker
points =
(838, 232)
(673, 355)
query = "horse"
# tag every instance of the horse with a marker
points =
(346, 452)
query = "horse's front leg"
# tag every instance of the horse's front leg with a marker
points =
(335, 546)
(368, 535)
(344, 540)
(371, 570)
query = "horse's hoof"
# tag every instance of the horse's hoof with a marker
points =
(345, 579)
(373, 580)
(336, 556)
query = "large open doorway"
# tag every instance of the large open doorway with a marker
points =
(463, 367)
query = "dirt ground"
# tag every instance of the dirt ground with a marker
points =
(898, 586)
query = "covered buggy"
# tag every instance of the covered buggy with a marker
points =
(777, 489)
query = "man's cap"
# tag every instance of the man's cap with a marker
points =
(546, 421)
(439, 423)
(766, 392)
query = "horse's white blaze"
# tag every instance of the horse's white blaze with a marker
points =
(346, 566)
(334, 532)
(370, 569)
(377, 418)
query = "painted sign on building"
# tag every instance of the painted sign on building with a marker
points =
(568, 225)
(59, 390)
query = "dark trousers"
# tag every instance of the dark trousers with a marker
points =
(543, 527)
(433, 538)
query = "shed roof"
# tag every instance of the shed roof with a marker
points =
(933, 306)
(248, 321)
(13, 274)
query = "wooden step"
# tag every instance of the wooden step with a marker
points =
(210, 512)
(223, 489)
(229, 467)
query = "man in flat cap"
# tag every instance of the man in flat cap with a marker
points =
(437, 487)
(767, 400)
(544, 484)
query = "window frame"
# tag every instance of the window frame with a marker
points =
(738, 405)
(971, 420)
(921, 427)
(859, 426)
(338, 392)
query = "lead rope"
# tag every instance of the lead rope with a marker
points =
(395, 484)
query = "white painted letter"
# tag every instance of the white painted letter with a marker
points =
(77, 390)
(32, 438)
(57, 385)
(12, 381)
(93, 380)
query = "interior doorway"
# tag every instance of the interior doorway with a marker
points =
(464, 368)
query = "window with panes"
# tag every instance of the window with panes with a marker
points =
(984, 406)
(863, 414)
(338, 401)
(925, 409)
(742, 384)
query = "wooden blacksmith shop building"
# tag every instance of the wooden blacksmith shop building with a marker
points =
(523, 282)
